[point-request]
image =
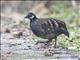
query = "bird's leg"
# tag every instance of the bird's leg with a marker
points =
(55, 45)
(49, 41)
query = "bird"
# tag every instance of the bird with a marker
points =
(47, 28)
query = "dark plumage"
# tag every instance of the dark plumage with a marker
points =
(47, 28)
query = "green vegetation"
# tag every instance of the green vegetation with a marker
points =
(72, 19)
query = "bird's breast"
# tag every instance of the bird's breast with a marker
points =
(36, 29)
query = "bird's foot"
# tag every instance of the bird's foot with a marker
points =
(45, 42)
(56, 46)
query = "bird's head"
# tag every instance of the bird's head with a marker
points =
(31, 16)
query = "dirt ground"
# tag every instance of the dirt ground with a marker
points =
(22, 49)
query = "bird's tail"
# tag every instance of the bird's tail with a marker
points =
(66, 33)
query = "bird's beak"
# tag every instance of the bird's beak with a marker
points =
(25, 17)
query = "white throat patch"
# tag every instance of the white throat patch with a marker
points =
(32, 17)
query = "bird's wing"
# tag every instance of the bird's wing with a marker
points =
(48, 25)
(60, 23)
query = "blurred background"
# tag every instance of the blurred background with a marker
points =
(13, 13)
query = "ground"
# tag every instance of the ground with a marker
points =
(22, 48)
